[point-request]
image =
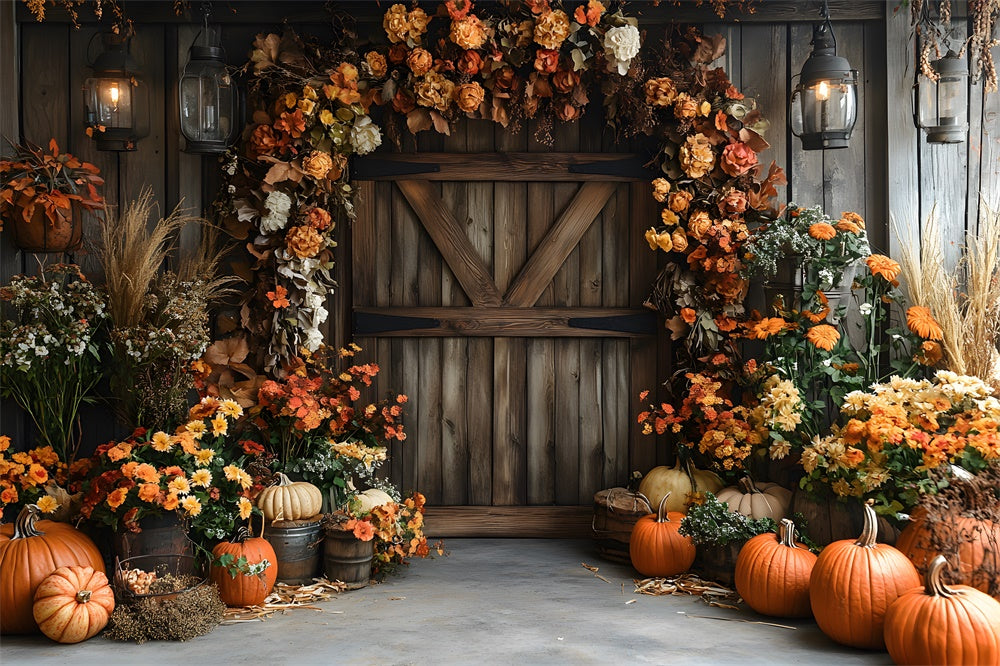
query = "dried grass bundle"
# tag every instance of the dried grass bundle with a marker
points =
(190, 614)
(964, 300)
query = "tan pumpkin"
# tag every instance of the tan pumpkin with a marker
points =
(73, 604)
(369, 499)
(938, 624)
(29, 552)
(757, 500)
(854, 582)
(679, 483)
(290, 500)
(772, 573)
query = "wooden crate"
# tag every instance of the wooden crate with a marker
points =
(616, 511)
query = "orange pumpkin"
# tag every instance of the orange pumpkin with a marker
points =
(29, 553)
(656, 548)
(937, 624)
(245, 589)
(853, 583)
(73, 604)
(772, 573)
(978, 541)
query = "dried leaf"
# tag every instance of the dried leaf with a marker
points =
(225, 352)
(441, 124)
(419, 120)
(710, 47)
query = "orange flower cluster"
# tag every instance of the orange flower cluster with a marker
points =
(24, 476)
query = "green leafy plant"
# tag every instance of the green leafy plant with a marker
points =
(235, 566)
(711, 523)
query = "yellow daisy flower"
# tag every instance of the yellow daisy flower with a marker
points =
(191, 505)
(180, 486)
(232, 472)
(196, 428)
(219, 426)
(245, 508)
(231, 408)
(161, 442)
(201, 477)
(47, 504)
(203, 457)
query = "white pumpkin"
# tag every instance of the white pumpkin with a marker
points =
(369, 499)
(676, 481)
(290, 500)
(757, 500)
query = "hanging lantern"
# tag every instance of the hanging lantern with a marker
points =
(824, 105)
(111, 96)
(943, 105)
(207, 99)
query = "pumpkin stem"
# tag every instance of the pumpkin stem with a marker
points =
(869, 534)
(283, 480)
(786, 533)
(661, 514)
(24, 524)
(83, 596)
(746, 484)
(645, 500)
(242, 534)
(934, 585)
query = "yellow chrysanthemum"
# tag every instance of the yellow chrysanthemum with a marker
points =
(219, 426)
(161, 442)
(196, 428)
(231, 408)
(204, 457)
(232, 472)
(202, 478)
(245, 508)
(180, 486)
(191, 505)
(47, 504)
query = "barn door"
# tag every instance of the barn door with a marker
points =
(502, 292)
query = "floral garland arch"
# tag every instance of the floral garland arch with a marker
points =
(288, 183)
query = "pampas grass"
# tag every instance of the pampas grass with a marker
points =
(964, 300)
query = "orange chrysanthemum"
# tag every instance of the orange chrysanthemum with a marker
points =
(688, 315)
(920, 320)
(822, 231)
(847, 225)
(929, 354)
(823, 336)
(883, 266)
(817, 317)
(767, 327)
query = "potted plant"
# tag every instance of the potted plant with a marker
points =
(42, 195)
(50, 326)
(719, 534)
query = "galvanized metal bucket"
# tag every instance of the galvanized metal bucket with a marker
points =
(296, 544)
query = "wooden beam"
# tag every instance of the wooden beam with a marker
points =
(504, 167)
(507, 322)
(451, 240)
(564, 235)
(544, 522)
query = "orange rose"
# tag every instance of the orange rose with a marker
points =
(679, 200)
(403, 102)
(685, 107)
(468, 32)
(546, 61)
(688, 315)
(470, 96)
(262, 140)
(318, 218)
(661, 188)
(149, 492)
(420, 61)
(734, 202)
(117, 497)
(669, 217)
(679, 240)
(660, 92)
(396, 24)
(434, 91)
(304, 241)
(551, 29)
(738, 158)
(699, 224)
(565, 80)
(376, 63)
(591, 16)
(469, 63)
(696, 156)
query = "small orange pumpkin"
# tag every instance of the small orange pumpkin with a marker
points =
(854, 582)
(772, 573)
(239, 589)
(30, 551)
(937, 624)
(73, 604)
(656, 548)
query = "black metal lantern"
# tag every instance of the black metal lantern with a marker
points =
(112, 98)
(824, 105)
(207, 99)
(943, 105)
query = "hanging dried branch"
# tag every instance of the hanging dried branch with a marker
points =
(933, 22)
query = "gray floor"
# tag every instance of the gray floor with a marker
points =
(494, 601)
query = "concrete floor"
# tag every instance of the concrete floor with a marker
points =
(491, 601)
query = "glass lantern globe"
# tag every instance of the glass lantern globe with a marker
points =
(110, 96)
(207, 101)
(824, 104)
(943, 105)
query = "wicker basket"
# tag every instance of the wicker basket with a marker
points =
(616, 511)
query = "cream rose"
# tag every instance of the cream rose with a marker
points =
(621, 44)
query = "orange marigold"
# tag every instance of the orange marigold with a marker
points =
(823, 336)
(883, 266)
(822, 231)
(767, 327)
(920, 320)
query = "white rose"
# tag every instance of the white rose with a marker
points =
(314, 338)
(365, 136)
(621, 44)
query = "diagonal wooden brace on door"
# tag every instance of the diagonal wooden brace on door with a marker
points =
(558, 243)
(451, 241)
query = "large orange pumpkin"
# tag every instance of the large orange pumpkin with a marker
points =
(853, 583)
(656, 548)
(772, 573)
(937, 624)
(29, 552)
(73, 604)
(243, 589)
(978, 542)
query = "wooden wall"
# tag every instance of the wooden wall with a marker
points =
(888, 166)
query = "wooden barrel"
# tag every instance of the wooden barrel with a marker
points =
(718, 563)
(829, 519)
(616, 511)
(296, 544)
(347, 559)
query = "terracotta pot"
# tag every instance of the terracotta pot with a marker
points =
(41, 235)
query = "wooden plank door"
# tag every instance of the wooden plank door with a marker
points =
(502, 292)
